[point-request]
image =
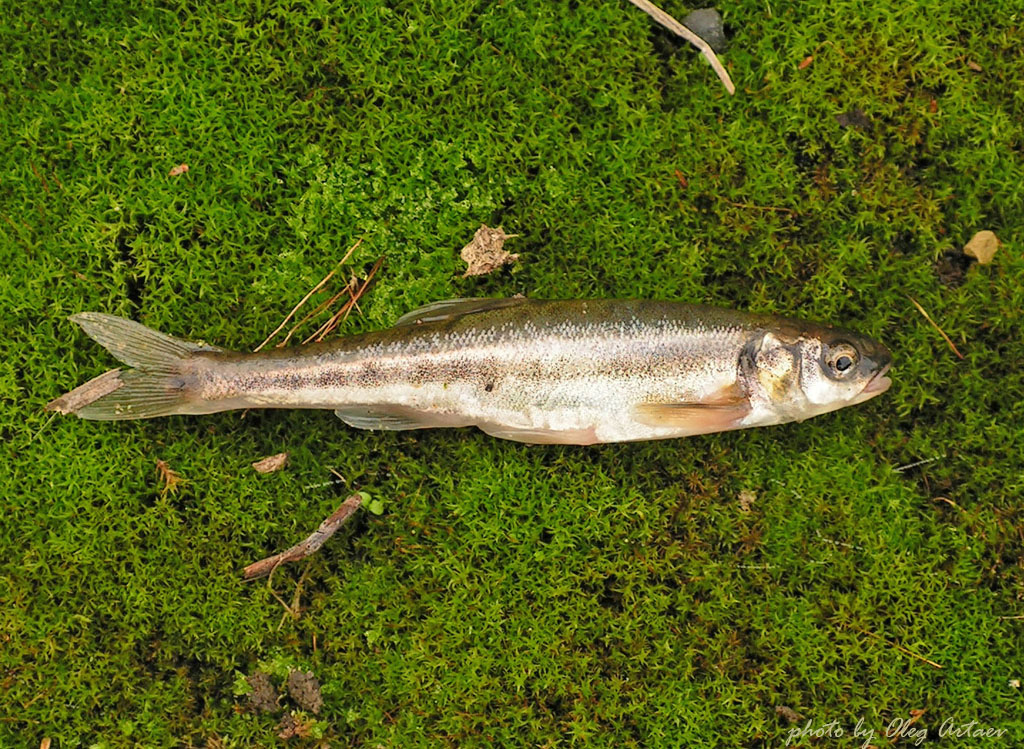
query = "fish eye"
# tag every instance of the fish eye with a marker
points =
(842, 359)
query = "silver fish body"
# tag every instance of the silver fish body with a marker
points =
(572, 372)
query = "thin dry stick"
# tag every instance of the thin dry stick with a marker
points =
(327, 304)
(312, 291)
(270, 587)
(898, 647)
(309, 546)
(350, 290)
(295, 608)
(778, 209)
(324, 330)
(674, 26)
(934, 325)
(353, 303)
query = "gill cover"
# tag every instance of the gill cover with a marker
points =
(770, 368)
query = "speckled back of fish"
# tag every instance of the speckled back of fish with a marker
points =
(573, 372)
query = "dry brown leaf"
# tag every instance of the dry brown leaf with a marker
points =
(271, 463)
(983, 246)
(747, 499)
(486, 252)
(170, 478)
(974, 66)
(177, 171)
(806, 62)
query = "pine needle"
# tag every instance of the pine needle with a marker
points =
(935, 325)
(328, 327)
(312, 291)
(897, 646)
(677, 28)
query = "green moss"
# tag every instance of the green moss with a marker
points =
(509, 594)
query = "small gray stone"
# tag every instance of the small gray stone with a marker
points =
(707, 24)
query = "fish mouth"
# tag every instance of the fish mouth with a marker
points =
(876, 385)
(879, 383)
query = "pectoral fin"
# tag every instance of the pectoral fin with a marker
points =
(721, 412)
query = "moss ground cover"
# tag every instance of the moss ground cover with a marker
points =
(507, 594)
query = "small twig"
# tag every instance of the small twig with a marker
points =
(790, 211)
(326, 304)
(343, 313)
(87, 393)
(1017, 616)
(350, 288)
(897, 646)
(935, 325)
(295, 609)
(270, 587)
(908, 466)
(297, 595)
(674, 26)
(948, 501)
(308, 546)
(312, 291)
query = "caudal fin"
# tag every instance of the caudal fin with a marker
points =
(161, 384)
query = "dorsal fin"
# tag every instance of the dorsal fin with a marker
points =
(449, 309)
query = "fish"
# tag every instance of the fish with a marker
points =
(577, 372)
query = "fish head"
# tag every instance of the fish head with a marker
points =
(799, 370)
(841, 368)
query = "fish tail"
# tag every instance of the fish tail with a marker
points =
(162, 382)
